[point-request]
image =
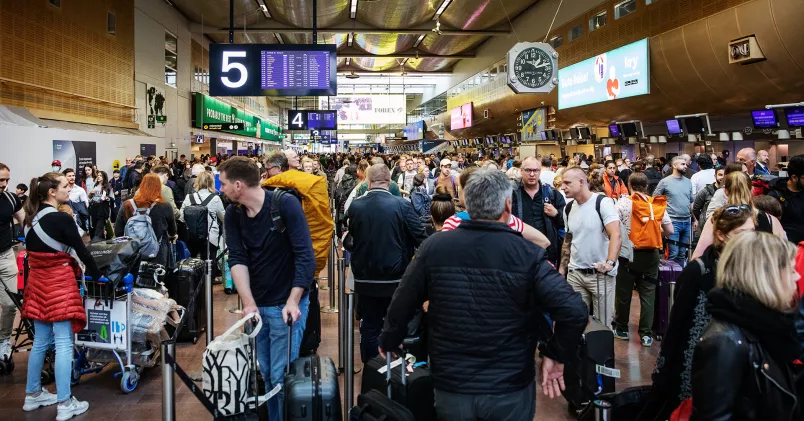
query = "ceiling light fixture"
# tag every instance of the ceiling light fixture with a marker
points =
(264, 9)
(441, 8)
(353, 9)
(419, 41)
(350, 38)
(348, 60)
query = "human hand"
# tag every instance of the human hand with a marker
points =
(552, 378)
(250, 309)
(550, 210)
(603, 267)
(695, 225)
(384, 354)
(291, 310)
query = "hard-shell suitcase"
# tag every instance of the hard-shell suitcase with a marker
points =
(311, 389)
(591, 371)
(376, 406)
(186, 286)
(415, 392)
(668, 273)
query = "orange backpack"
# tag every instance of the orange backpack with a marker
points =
(646, 221)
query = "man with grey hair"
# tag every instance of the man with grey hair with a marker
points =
(385, 230)
(680, 199)
(293, 159)
(763, 160)
(690, 171)
(276, 163)
(341, 171)
(482, 356)
(748, 156)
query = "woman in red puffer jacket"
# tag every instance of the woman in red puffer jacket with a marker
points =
(52, 299)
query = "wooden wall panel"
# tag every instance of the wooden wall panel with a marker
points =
(63, 60)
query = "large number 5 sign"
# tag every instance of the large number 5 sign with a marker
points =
(227, 66)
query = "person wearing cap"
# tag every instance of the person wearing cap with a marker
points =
(56, 165)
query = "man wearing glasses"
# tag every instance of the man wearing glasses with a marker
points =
(539, 205)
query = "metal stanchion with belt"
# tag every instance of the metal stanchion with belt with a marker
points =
(342, 332)
(208, 296)
(349, 379)
(168, 350)
(333, 253)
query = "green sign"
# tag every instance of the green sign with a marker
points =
(210, 111)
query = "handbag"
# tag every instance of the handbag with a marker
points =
(227, 368)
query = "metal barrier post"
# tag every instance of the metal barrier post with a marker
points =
(343, 315)
(349, 379)
(208, 297)
(168, 389)
(333, 254)
(602, 410)
(239, 309)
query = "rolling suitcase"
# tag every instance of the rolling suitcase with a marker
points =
(375, 406)
(591, 371)
(413, 390)
(186, 286)
(668, 273)
(311, 389)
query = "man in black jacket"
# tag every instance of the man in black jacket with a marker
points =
(539, 205)
(386, 230)
(486, 312)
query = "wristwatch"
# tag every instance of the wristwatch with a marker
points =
(610, 263)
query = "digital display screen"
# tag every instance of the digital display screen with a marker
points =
(273, 70)
(543, 135)
(673, 127)
(614, 130)
(764, 119)
(585, 133)
(694, 125)
(312, 120)
(795, 116)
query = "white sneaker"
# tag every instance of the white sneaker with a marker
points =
(74, 407)
(45, 398)
(5, 348)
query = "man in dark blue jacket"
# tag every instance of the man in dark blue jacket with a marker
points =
(486, 311)
(539, 205)
(272, 269)
(386, 230)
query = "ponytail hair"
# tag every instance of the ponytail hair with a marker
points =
(38, 192)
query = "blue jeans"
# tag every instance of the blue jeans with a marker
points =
(272, 350)
(43, 337)
(681, 233)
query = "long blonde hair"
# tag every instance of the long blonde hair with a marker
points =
(738, 189)
(752, 263)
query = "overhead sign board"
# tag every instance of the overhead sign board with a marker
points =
(368, 109)
(415, 131)
(309, 120)
(532, 68)
(212, 114)
(617, 74)
(272, 69)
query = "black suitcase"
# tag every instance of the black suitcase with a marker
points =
(415, 392)
(312, 329)
(186, 286)
(376, 406)
(595, 354)
(311, 389)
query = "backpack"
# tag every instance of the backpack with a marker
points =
(196, 217)
(139, 226)
(276, 207)
(646, 221)
(598, 201)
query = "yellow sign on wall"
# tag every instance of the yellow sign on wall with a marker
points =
(116, 164)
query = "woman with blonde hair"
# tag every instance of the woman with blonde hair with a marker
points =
(307, 165)
(743, 365)
(737, 187)
(205, 195)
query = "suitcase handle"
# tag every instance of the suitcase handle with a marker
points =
(388, 372)
(290, 343)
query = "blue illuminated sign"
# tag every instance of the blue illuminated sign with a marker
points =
(619, 73)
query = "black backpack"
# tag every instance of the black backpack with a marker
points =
(196, 217)
(276, 201)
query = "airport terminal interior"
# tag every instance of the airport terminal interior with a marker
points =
(118, 86)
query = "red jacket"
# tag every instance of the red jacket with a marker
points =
(52, 293)
(619, 191)
(800, 268)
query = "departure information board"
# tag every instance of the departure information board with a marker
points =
(312, 120)
(272, 70)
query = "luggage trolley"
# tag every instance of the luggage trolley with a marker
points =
(108, 310)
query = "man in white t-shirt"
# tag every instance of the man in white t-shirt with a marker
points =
(405, 180)
(591, 245)
(548, 175)
(705, 175)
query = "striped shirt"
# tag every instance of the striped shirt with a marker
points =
(453, 221)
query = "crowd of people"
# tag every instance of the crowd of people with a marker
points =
(506, 257)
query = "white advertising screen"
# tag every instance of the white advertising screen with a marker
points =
(367, 109)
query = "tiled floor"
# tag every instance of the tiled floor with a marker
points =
(107, 402)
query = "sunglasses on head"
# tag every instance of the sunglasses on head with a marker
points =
(737, 209)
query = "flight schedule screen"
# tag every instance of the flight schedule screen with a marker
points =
(295, 69)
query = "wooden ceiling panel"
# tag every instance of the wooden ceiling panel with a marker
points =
(787, 18)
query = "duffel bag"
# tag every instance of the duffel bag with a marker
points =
(227, 368)
(116, 258)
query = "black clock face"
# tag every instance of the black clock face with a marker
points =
(533, 68)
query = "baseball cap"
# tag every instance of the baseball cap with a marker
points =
(55, 163)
